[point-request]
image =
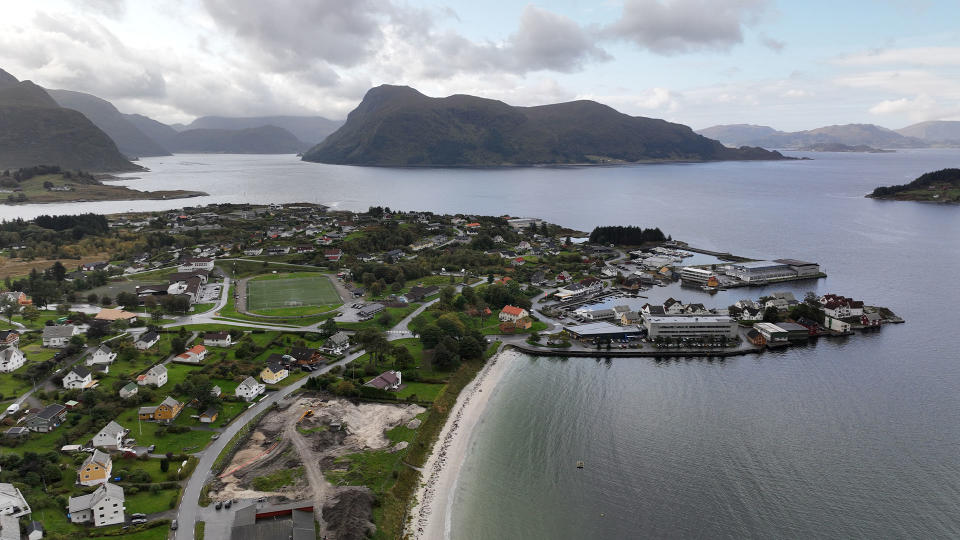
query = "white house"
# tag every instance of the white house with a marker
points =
(388, 380)
(217, 339)
(198, 263)
(12, 502)
(58, 337)
(337, 343)
(78, 378)
(249, 389)
(102, 507)
(157, 376)
(11, 359)
(146, 340)
(512, 314)
(129, 390)
(103, 356)
(111, 436)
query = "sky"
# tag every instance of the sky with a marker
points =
(787, 64)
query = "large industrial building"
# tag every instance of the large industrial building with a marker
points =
(698, 276)
(603, 330)
(761, 271)
(684, 326)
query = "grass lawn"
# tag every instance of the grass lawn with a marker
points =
(278, 479)
(148, 502)
(423, 368)
(229, 310)
(203, 308)
(146, 434)
(45, 315)
(423, 391)
(150, 466)
(275, 291)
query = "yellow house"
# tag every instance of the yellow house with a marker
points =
(95, 469)
(274, 373)
(167, 410)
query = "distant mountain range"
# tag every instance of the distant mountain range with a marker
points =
(256, 140)
(309, 129)
(923, 135)
(36, 130)
(399, 126)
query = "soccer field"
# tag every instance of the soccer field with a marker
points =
(290, 292)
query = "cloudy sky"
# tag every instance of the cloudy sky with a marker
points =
(788, 64)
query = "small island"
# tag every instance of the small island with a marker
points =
(51, 184)
(941, 186)
(840, 147)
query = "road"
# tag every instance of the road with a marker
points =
(190, 508)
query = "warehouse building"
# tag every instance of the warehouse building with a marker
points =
(687, 327)
(761, 271)
(697, 276)
(802, 268)
(771, 332)
(602, 330)
(795, 332)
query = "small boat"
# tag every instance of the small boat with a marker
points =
(579, 464)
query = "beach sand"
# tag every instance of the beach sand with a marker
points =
(430, 518)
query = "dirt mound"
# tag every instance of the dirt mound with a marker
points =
(349, 514)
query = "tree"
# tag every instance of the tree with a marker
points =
(470, 348)
(446, 296)
(385, 319)
(445, 354)
(63, 309)
(59, 271)
(771, 314)
(105, 300)
(128, 300)
(431, 335)
(451, 325)
(328, 328)
(402, 359)
(31, 313)
(92, 298)
(9, 308)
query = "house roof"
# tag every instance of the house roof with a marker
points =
(512, 310)
(157, 370)
(217, 336)
(81, 371)
(64, 331)
(147, 337)
(170, 402)
(249, 382)
(50, 411)
(112, 428)
(99, 457)
(275, 367)
(130, 387)
(197, 349)
(340, 338)
(209, 413)
(384, 380)
(86, 502)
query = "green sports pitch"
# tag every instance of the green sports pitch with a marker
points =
(283, 293)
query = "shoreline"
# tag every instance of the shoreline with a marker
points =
(430, 517)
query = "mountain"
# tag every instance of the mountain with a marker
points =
(310, 129)
(939, 131)
(399, 126)
(848, 134)
(258, 140)
(158, 131)
(129, 139)
(35, 130)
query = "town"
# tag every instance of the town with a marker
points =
(307, 357)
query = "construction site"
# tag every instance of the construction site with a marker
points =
(296, 449)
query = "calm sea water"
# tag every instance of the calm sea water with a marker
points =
(854, 438)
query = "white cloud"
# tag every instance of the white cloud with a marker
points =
(916, 56)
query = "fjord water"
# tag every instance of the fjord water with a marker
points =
(851, 438)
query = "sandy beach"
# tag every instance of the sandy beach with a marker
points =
(431, 515)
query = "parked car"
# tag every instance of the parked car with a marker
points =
(138, 515)
(228, 504)
(138, 521)
(174, 525)
(219, 505)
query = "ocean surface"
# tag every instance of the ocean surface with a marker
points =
(850, 438)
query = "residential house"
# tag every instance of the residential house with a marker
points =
(307, 357)
(651, 309)
(840, 307)
(101, 508)
(756, 337)
(216, 391)
(129, 390)
(695, 309)
(419, 293)
(538, 278)
(103, 356)
(198, 263)
(78, 378)
(629, 318)
(332, 255)
(12, 502)
(95, 469)
(167, 410)
(9, 338)
(114, 315)
(337, 343)
(11, 359)
(273, 373)
(209, 416)
(93, 266)
(369, 310)
(217, 339)
(47, 419)
(253, 252)
(672, 306)
(58, 337)
(393, 255)
(156, 376)
(146, 340)
(10, 526)
(111, 436)
(34, 530)
(249, 389)
(17, 297)
(512, 314)
(871, 319)
(388, 380)
(16, 432)
(193, 355)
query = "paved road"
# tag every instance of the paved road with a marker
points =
(190, 509)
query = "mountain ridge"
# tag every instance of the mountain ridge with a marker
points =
(846, 134)
(400, 126)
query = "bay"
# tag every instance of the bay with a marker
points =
(852, 438)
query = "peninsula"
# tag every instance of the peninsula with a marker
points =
(941, 186)
(50, 184)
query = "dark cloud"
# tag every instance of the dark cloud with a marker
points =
(291, 34)
(774, 45)
(678, 26)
